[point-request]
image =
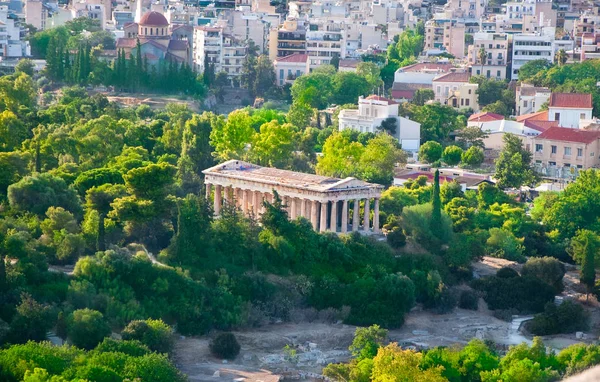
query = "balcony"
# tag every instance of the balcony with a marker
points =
(291, 46)
(291, 36)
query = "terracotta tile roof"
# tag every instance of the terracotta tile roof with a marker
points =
(574, 100)
(538, 116)
(453, 77)
(374, 97)
(485, 117)
(405, 90)
(154, 18)
(540, 126)
(126, 43)
(295, 57)
(442, 67)
(178, 45)
(570, 135)
(349, 63)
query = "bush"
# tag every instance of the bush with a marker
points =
(568, 317)
(225, 346)
(525, 294)
(133, 348)
(469, 300)
(87, 328)
(396, 238)
(155, 334)
(547, 269)
(445, 302)
(506, 273)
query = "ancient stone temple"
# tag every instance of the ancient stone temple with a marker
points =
(323, 200)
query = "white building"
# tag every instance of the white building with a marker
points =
(373, 110)
(325, 41)
(288, 68)
(529, 99)
(570, 109)
(11, 44)
(223, 51)
(534, 46)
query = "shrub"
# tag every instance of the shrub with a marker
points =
(445, 302)
(87, 328)
(155, 334)
(396, 238)
(506, 273)
(133, 348)
(547, 269)
(469, 300)
(525, 294)
(568, 317)
(225, 346)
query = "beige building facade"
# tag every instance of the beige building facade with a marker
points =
(322, 200)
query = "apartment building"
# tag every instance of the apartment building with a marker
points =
(224, 52)
(288, 68)
(448, 36)
(570, 109)
(287, 39)
(37, 13)
(561, 152)
(529, 99)
(325, 40)
(373, 110)
(495, 46)
(534, 46)
(12, 44)
(453, 89)
(589, 46)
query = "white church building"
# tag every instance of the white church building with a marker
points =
(373, 110)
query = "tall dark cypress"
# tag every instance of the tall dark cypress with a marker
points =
(51, 56)
(3, 279)
(436, 203)
(139, 63)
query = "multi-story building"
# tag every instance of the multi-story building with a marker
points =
(224, 52)
(287, 39)
(37, 13)
(448, 36)
(589, 46)
(561, 152)
(495, 47)
(570, 109)
(454, 89)
(408, 79)
(325, 41)
(12, 45)
(372, 111)
(529, 99)
(534, 46)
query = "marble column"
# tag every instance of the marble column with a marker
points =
(217, 205)
(208, 188)
(314, 213)
(323, 225)
(304, 209)
(344, 216)
(245, 202)
(376, 216)
(257, 200)
(367, 218)
(227, 195)
(355, 215)
(293, 209)
(333, 223)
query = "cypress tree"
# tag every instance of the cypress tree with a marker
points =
(51, 57)
(139, 63)
(206, 75)
(436, 203)
(3, 281)
(67, 65)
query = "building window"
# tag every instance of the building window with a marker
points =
(579, 166)
(467, 102)
(556, 116)
(579, 152)
(551, 163)
(281, 74)
(582, 116)
(553, 149)
(524, 103)
(469, 91)
(498, 73)
(438, 89)
(567, 165)
(567, 151)
(539, 148)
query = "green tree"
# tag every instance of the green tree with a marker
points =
(348, 86)
(436, 203)
(87, 328)
(230, 139)
(548, 269)
(430, 152)
(265, 76)
(155, 334)
(531, 68)
(392, 364)
(421, 96)
(300, 115)
(31, 321)
(473, 156)
(273, 145)
(513, 167)
(452, 155)
(371, 72)
(196, 151)
(314, 89)
(38, 192)
(367, 341)
(585, 248)
(472, 136)
(100, 199)
(388, 125)
(437, 121)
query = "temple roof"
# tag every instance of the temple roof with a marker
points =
(247, 171)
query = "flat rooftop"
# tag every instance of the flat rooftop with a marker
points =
(284, 178)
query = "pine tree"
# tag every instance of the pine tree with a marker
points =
(436, 203)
